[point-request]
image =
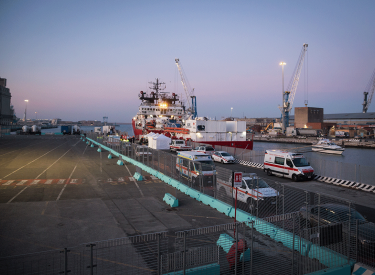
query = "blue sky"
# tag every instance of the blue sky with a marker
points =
(81, 60)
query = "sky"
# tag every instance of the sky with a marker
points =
(82, 60)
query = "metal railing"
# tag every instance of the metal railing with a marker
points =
(290, 234)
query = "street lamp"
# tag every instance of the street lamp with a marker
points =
(26, 100)
(36, 115)
(231, 109)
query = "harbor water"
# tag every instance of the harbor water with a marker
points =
(355, 164)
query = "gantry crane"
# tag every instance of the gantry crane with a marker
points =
(192, 106)
(289, 94)
(370, 88)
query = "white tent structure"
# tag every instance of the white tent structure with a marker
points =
(150, 139)
(161, 142)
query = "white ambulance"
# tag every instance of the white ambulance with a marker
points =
(287, 164)
(252, 189)
(191, 164)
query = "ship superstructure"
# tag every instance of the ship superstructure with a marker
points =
(160, 112)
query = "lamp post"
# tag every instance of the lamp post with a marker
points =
(36, 115)
(231, 109)
(26, 100)
(282, 95)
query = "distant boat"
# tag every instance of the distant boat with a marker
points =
(328, 147)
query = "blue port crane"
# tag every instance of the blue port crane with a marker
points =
(192, 106)
(370, 88)
(289, 94)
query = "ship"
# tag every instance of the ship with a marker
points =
(164, 113)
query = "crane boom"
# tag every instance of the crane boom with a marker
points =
(289, 94)
(370, 88)
(192, 106)
(292, 87)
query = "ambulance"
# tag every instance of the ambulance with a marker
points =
(287, 164)
(195, 166)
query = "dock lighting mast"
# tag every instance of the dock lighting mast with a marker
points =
(192, 106)
(370, 88)
(289, 94)
(26, 100)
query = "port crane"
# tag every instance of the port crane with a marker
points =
(289, 94)
(370, 88)
(192, 106)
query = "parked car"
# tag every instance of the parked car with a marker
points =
(223, 157)
(207, 149)
(329, 214)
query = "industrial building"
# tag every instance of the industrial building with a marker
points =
(6, 110)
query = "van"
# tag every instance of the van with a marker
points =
(287, 164)
(196, 166)
(206, 149)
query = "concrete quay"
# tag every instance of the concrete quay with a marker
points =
(56, 191)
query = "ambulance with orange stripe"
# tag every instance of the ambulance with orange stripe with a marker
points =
(287, 164)
(196, 166)
(253, 190)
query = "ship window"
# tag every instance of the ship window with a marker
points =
(201, 127)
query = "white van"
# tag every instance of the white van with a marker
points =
(287, 164)
(189, 165)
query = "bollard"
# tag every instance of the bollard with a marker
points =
(92, 145)
(110, 156)
(120, 162)
(99, 149)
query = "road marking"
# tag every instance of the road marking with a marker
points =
(53, 163)
(34, 160)
(35, 181)
(61, 181)
(153, 177)
(9, 182)
(16, 195)
(21, 182)
(48, 182)
(74, 181)
(134, 181)
(62, 190)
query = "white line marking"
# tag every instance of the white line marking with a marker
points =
(134, 181)
(35, 182)
(71, 174)
(61, 181)
(48, 182)
(16, 195)
(53, 163)
(34, 160)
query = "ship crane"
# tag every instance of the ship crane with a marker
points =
(192, 106)
(370, 88)
(289, 94)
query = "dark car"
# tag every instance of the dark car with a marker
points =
(330, 214)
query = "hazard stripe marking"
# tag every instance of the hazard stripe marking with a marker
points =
(9, 182)
(21, 182)
(40, 182)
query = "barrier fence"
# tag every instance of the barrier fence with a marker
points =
(290, 231)
(322, 167)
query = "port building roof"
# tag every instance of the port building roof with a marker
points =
(343, 116)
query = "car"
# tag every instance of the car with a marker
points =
(330, 214)
(207, 149)
(223, 157)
